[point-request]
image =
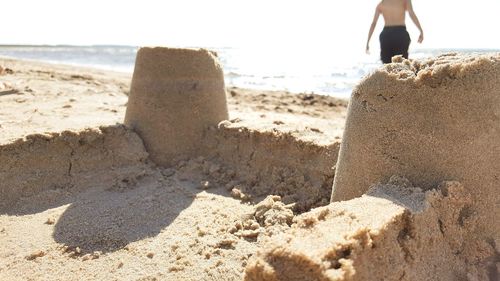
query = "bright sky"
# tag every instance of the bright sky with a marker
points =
(303, 24)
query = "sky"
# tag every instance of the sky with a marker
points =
(341, 26)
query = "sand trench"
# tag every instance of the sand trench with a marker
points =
(95, 202)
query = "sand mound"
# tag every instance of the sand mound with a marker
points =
(428, 121)
(394, 232)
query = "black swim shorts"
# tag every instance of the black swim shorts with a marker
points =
(394, 40)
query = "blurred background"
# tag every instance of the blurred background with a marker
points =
(295, 45)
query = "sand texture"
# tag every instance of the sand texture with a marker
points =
(40, 98)
(394, 232)
(82, 198)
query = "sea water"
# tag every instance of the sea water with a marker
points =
(314, 70)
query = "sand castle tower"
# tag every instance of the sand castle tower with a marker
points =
(175, 95)
(428, 121)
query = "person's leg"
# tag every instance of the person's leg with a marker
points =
(402, 42)
(385, 46)
(407, 42)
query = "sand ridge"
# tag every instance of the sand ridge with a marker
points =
(69, 160)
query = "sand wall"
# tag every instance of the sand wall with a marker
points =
(274, 163)
(108, 156)
(429, 121)
(254, 162)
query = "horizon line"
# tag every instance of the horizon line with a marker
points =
(219, 47)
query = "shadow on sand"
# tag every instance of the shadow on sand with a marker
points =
(108, 220)
(98, 218)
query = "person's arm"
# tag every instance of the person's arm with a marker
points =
(414, 18)
(372, 28)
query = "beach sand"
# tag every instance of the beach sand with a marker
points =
(80, 197)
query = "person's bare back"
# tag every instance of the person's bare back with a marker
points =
(394, 39)
(393, 11)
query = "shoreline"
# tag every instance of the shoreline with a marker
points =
(121, 71)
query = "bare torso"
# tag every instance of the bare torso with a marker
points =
(393, 11)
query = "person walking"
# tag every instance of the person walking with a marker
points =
(394, 38)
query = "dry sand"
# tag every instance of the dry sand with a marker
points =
(40, 98)
(90, 203)
(79, 203)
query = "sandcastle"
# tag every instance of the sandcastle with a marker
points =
(409, 124)
(429, 122)
(178, 94)
(175, 95)
(416, 173)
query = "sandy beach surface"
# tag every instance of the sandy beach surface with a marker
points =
(52, 98)
(82, 199)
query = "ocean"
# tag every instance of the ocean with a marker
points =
(321, 71)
